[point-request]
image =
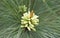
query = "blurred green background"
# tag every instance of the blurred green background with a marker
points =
(47, 10)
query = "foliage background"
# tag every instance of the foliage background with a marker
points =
(47, 10)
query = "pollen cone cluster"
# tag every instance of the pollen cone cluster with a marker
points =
(29, 20)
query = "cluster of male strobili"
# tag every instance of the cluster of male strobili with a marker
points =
(29, 20)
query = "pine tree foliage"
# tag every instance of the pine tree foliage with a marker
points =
(49, 19)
